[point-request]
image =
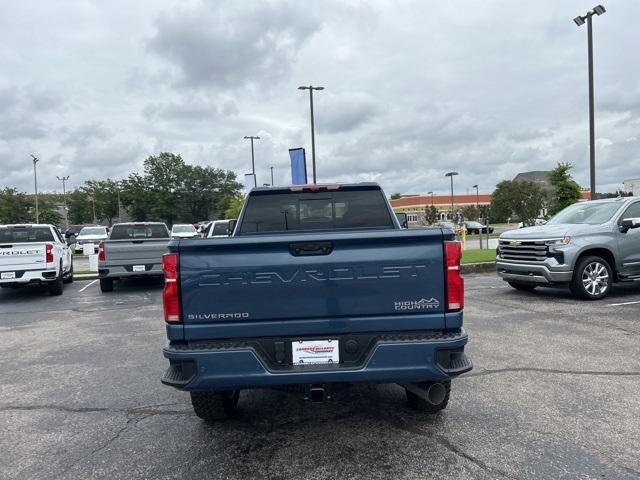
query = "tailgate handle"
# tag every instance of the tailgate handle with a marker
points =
(137, 241)
(310, 248)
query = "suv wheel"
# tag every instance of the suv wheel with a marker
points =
(592, 278)
(524, 287)
(212, 406)
(437, 391)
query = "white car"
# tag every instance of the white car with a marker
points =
(92, 235)
(183, 231)
(34, 254)
(220, 228)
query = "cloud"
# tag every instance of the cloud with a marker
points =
(233, 44)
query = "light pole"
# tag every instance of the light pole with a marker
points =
(580, 20)
(311, 88)
(64, 198)
(477, 200)
(119, 211)
(431, 193)
(253, 163)
(451, 175)
(93, 201)
(35, 185)
(271, 175)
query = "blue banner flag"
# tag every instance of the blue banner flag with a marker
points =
(298, 166)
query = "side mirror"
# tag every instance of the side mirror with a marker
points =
(628, 223)
(71, 239)
(231, 227)
(402, 220)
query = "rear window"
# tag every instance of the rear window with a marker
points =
(135, 232)
(279, 212)
(93, 231)
(25, 234)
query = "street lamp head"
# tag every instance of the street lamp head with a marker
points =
(599, 10)
(475, 186)
(451, 174)
(579, 20)
(35, 159)
(429, 193)
(318, 88)
(303, 88)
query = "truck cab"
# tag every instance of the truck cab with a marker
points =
(318, 285)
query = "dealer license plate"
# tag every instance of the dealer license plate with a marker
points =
(138, 268)
(7, 275)
(313, 352)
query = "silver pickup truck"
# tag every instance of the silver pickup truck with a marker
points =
(587, 247)
(132, 250)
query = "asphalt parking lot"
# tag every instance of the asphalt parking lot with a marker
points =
(555, 393)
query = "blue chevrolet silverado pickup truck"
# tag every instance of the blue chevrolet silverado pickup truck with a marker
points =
(318, 285)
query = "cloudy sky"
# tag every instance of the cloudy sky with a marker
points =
(412, 89)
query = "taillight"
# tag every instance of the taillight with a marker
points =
(49, 252)
(170, 299)
(455, 282)
(102, 257)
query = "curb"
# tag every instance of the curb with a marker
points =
(86, 276)
(483, 267)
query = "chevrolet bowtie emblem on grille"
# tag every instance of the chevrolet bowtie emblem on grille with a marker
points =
(515, 243)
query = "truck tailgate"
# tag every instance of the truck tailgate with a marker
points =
(332, 276)
(22, 256)
(125, 252)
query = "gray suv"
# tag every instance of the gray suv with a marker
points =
(587, 247)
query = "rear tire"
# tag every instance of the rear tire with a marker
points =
(523, 287)
(55, 287)
(420, 404)
(106, 285)
(592, 278)
(211, 406)
(69, 277)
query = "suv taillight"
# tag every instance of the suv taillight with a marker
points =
(48, 249)
(455, 282)
(101, 254)
(170, 299)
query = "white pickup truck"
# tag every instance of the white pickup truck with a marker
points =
(34, 254)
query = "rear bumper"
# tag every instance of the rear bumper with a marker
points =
(532, 273)
(122, 271)
(392, 358)
(23, 277)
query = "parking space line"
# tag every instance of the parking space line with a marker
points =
(87, 286)
(624, 303)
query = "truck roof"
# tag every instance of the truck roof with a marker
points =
(310, 187)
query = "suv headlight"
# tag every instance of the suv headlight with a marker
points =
(558, 242)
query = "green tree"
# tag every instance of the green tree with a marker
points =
(234, 207)
(470, 212)
(170, 190)
(565, 190)
(15, 207)
(105, 195)
(522, 200)
(431, 214)
(80, 208)
(396, 196)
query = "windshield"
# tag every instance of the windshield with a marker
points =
(25, 234)
(93, 231)
(183, 229)
(587, 213)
